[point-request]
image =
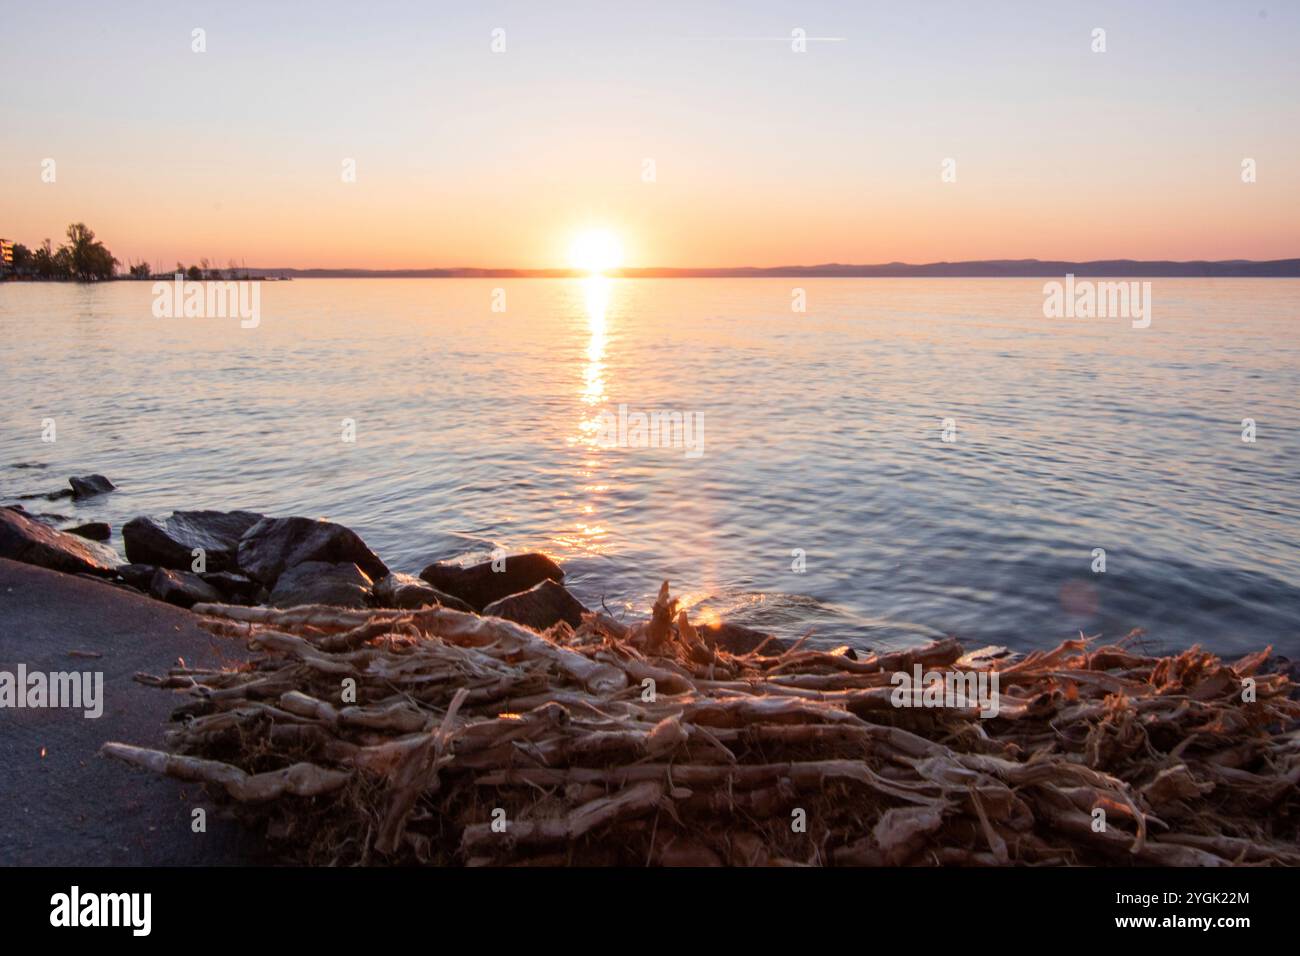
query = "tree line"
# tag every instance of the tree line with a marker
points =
(84, 258)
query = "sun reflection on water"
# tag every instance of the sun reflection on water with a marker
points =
(597, 289)
(586, 534)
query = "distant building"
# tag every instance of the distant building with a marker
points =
(6, 256)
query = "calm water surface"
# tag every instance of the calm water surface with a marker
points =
(822, 432)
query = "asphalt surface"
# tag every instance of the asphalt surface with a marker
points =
(60, 803)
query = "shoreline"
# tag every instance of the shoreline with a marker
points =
(969, 269)
(658, 741)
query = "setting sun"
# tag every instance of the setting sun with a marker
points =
(596, 251)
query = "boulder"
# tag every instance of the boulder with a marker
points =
(182, 588)
(30, 541)
(738, 639)
(90, 485)
(235, 588)
(171, 544)
(94, 530)
(540, 607)
(341, 584)
(137, 575)
(479, 585)
(408, 592)
(274, 545)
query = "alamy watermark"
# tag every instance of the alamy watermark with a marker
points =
(951, 689)
(659, 428)
(209, 300)
(76, 690)
(1086, 299)
(130, 910)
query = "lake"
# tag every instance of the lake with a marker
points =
(904, 459)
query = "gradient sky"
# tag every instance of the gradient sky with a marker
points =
(764, 156)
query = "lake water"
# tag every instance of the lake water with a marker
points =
(822, 437)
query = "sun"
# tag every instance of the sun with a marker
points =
(596, 251)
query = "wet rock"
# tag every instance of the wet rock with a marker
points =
(171, 544)
(479, 585)
(409, 592)
(94, 530)
(540, 607)
(738, 639)
(182, 588)
(137, 575)
(235, 588)
(274, 545)
(341, 584)
(88, 486)
(25, 539)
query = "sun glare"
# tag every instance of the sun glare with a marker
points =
(596, 251)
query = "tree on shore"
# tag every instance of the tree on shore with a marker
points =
(88, 258)
(22, 259)
(85, 258)
(82, 257)
(43, 262)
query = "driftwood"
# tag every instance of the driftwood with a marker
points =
(434, 736)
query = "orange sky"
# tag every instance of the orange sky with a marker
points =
(763, 156)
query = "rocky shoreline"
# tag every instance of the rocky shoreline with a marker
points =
(481, 715)
(250, 559)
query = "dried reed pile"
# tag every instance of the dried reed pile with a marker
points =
(474, 740)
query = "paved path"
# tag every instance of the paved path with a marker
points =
(70, 806)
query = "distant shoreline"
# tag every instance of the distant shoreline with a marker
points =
(984, 268)
(974, 269)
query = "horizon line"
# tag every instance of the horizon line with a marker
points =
(971, 268)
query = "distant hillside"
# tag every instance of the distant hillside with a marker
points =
(985, 268)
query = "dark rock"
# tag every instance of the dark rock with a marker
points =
(146, 542)
(137, 575)
(235, 588)
(321, 582)
(540, 607)
(738, 639)
(94, 530)
(171, 544)
(24, 539)
(409, 592)
(273, 545)
(90, 485)
(182, 588)
(479, 585)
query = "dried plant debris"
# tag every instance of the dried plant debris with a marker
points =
(436, 736)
